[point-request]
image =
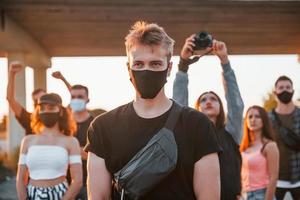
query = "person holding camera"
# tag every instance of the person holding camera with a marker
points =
(229, 133)
(286, 122)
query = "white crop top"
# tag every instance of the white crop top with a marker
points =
(47, 161)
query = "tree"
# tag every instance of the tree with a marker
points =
(269, 102)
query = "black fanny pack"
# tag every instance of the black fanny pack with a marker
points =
(152, 163)
(288, 136)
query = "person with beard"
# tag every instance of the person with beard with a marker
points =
(116, 136)
(45, 156)
(21, 114)
(229, 133)
(286, 118)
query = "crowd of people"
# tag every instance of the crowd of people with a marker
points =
(156, 147)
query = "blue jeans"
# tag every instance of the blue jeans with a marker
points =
(257, 194)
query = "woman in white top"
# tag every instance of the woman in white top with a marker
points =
(46, 155)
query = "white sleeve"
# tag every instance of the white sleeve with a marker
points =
(73, 159)
(22, 159)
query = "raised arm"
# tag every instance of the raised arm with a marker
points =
(15, 106)
(235, 104)
(59, 76)
(99, 179)
(180, 85)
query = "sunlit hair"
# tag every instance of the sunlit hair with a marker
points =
(283, 78)
(267, 131)
(66, 123)
(38, 90)
(148, 34)
(221, 117)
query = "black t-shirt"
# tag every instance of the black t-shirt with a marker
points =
(284, 152)
(119, 134)
(81, 135)
(24, 120)
(230, 166)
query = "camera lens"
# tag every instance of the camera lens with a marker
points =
(202, 40)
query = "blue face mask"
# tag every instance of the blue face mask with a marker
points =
(77, 105)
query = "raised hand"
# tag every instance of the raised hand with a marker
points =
(57, 75)
(15, 67)
(219, 48)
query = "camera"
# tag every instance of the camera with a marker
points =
(203, 40)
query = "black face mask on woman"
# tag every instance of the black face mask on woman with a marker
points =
(148, 83)
(285, 97)
(49, 119)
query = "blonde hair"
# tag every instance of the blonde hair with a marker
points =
(148, 34)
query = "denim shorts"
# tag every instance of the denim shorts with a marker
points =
(256, 195)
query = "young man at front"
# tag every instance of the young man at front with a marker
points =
(115, 137)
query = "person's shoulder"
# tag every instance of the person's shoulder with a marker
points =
(70, 140)
(28, 139)
(270, 146)
(110, 115)
(191, 115)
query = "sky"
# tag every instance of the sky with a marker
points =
(109, 85)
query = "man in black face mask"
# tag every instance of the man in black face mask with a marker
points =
(286, 122)
(116, 136)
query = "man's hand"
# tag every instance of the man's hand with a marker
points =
(15, 67)
(219, 49)
(58, 75)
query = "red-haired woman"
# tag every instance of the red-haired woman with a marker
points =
(45, 156)
(260, 156)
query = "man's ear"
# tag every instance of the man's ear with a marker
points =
(170, 65)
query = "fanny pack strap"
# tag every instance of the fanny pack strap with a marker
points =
(173, 116)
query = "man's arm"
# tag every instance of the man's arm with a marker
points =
(99, 179)
(206, 180)
(15, 106)
(58, 75)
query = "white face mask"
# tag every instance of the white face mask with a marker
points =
(77, 105)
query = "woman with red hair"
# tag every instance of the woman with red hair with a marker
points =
(45, 156)
(260, 156)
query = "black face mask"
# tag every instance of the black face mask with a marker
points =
(285, 97)
(148, 83)
(49, 119)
